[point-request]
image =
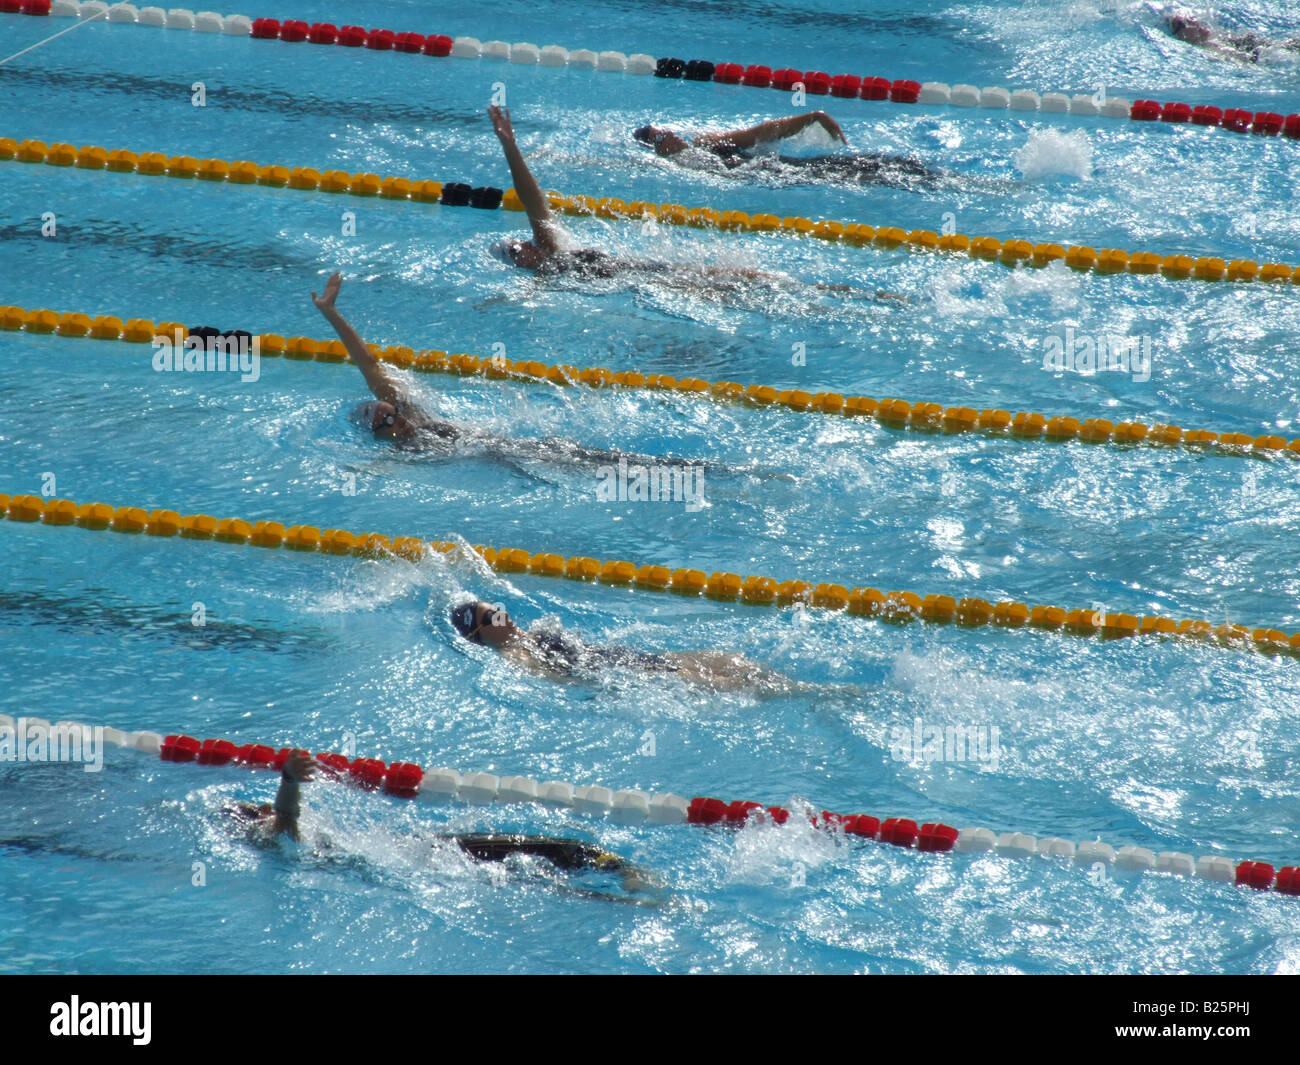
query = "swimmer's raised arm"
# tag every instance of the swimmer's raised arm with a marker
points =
(526, 187)
(773, 130)
(299, 766)
(384, 387)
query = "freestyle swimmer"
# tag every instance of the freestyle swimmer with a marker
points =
(735, 148)
(546, 254)
(562, 655)
(1247, 46)
(265, 822)
(393, 415)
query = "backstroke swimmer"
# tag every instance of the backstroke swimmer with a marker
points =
(1247, 46)
(547, 255)
(561, 655)
(734, 149)
(393, 415)
(263, 824)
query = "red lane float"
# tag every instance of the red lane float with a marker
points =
(1257, 875)
(1267, 123)
(905, 92)
(368, 772)
(817, 83)
(216, 752)
(438, 45)
(179, 749)
(728, 73)
(875, 89)
(1236, 120)
(783, 80)
(846, 86)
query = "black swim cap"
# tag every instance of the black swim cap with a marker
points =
(647, 134)
(463, 618)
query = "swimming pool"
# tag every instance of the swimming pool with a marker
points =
(1169, 745)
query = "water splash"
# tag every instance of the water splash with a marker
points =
(1051, 152)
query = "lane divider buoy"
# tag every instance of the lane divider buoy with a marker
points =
(634, 807)
(754, 590)
(753, 75)
(1014, 252)
(924, 417)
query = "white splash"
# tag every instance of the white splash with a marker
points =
(1049, 152)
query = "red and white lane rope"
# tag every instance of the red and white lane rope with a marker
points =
(784, 79)
(627, 807)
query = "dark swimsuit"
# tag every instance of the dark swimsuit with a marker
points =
(562, 853)
(569, 656)
(593, 263)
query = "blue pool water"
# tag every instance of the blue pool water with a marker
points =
(1164, 745)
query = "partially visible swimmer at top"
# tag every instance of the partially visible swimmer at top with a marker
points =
(1247, 46)
(547, 256)
(562, 655)
(395, 416)
(734, 149)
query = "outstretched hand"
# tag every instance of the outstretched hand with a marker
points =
(300, 765)
(326, 301)
(501, 123)
(831, 126)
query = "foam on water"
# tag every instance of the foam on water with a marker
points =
(1052, 153)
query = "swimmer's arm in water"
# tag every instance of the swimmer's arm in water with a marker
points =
(298, 767)
(526, 187)
(848, 291)
(774, 130)
(386, 390)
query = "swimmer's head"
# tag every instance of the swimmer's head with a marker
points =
(522, 253)
(483, 623)
(384, 420)
(663, 141)
(248, 812)
(1188, 29)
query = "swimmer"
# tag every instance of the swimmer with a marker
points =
(393, 415)
(265, 822)
(1246, 46)
(560, 656)
(546, 255)
(734, 149)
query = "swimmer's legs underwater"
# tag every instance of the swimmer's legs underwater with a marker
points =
(869, 169)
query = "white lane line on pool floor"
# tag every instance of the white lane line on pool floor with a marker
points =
(33, 47)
